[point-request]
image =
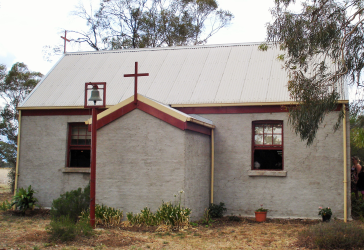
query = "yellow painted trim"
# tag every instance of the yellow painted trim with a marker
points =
(191, 119)
(202, 105)
(174, 113)
(112, 109)
(345, 168)
(17, 156)
(212, 164)
(163, 108)
(55, 107)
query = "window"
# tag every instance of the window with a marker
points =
(267, 145)
(79, 146)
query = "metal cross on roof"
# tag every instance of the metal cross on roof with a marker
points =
(135, 75)
(65, 40)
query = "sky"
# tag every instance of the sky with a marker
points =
(27, 26)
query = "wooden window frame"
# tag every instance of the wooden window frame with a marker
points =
(267, 147)
(75, 147)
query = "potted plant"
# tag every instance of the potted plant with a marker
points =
(325, 213)
(261, 214)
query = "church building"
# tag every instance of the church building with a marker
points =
(211, 120)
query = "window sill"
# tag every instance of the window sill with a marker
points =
(76, 170)
(267, 173)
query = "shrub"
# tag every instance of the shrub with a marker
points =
(167, 214)
(5, 206)
(24, 199)
(357, 207)
(217, 211)
(65, 229)
(335, 235)
(105, 215)
(234, 218)
(71, 204)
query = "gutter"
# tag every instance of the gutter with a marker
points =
(345, 168)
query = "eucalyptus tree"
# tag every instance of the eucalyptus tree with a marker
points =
(15, 85)
(119, 24)
(322, 47)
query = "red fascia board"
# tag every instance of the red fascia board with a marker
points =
(55, 112)
(161, 115)
(114, 115)
(239, 109)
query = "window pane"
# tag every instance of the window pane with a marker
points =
(80, 158)
(75, 131)
(277, 129)
(258, 140)
(277, 139)
(267, 129)
(267, 139)
(82, 131)
(258, 130)
(268, 159)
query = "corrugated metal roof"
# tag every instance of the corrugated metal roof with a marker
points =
(208, 74)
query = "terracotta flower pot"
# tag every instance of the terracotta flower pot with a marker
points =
(260, 216)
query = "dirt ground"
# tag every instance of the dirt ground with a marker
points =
(28, 232)
(4, 175)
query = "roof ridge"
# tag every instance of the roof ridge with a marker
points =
(164, 48)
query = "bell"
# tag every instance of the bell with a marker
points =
(95, 95)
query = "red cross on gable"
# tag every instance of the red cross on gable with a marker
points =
(135, 75)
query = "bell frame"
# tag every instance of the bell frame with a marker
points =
(100, 85)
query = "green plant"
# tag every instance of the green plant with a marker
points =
(217, 211)
(357, 207)
(5, 206)
(24, 199)
(105, 215)
(71, 204)
(261, 209)
(234, 218)
(325, 211)
(64, 228)
(206, 219)
(167, 214)
(335, 235)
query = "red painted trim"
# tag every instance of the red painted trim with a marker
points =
(198, 128)
(115, 115)
(55, 112)
(277, 147)
(161, 115)
(239, 109)
(233, 109)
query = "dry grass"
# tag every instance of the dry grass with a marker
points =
(28, 232)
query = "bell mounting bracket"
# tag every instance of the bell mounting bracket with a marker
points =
(101, 86)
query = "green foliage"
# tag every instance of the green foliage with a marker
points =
(324, 211)
(119, 24)
(65, 228)
(234, 218)
(356, 134)
(217, 210)
(357, 207)
(206, 219)
(334, 235)
(261, 209)
(71, 204)
(105, 215)
(167, 214)
(5, 206)
(15, 85)
(322, 47)
(24, 199)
